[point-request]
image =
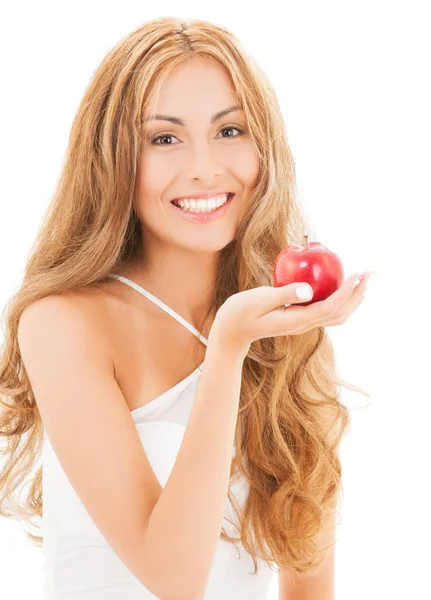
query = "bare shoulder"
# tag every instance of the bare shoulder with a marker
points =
(83, 312)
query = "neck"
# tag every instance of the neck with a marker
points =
(182, 280)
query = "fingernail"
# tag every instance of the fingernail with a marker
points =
(358, 279)
(304, 292)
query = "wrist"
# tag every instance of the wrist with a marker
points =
(219, 341)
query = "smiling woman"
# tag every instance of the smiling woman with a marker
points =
(174, 464)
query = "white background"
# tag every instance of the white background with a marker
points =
(352, 79)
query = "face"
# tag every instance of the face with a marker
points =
(192, 159)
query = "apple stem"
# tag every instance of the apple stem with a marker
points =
(307, 247)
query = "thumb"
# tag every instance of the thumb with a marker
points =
(294, 293)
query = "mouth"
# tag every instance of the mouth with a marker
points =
(204, 217)
(229, 198)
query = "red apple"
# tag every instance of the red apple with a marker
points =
(313, 263)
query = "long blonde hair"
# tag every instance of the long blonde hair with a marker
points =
(289, 400)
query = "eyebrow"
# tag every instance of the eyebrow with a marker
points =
(177, 121)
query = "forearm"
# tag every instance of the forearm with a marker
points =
(185, 525)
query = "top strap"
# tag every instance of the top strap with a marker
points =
(162, 305)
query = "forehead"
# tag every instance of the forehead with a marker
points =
(195, 88)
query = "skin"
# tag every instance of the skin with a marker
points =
(179, 258)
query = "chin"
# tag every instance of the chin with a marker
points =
(207, 246)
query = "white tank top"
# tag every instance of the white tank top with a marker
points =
(78, 562)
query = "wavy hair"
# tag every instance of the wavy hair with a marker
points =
(290, 420)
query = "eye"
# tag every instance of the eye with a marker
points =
(171, 135)
(161, 137)
(233, 127)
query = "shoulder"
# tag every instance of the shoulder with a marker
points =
(79, 315)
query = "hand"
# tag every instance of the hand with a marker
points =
(261, 312)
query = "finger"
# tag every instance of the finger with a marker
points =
(268, 298)
(357, 292)
(281, 320)
(297, 319)
(320, 313)
(350, 305)
(359, 289)
(331, 305)
(348, 309)
(335, 301)
(294, 293)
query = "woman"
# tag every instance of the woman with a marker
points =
(150, 354)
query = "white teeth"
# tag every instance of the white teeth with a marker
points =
(200, 205)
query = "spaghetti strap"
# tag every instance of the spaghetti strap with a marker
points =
(162, 305)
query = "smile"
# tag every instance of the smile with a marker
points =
(198, 205)
(190, 212)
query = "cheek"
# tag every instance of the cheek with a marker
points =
(147, 189)
(245, 166)
(153, 175)
(153, 170)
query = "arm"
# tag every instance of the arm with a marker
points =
(184, 527)
(166, 537)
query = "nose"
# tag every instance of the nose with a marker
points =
(204, 161)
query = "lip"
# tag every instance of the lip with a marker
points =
(203, 195)
(204, 217)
